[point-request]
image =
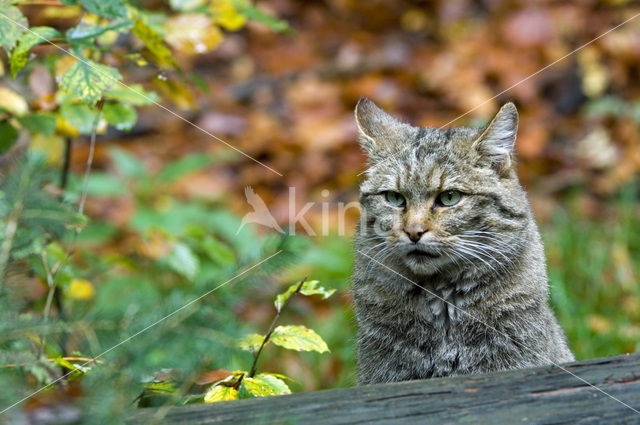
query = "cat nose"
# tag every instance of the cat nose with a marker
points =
(414, 231)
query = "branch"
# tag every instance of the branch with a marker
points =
(272, 327)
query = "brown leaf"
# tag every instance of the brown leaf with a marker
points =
(212, 376)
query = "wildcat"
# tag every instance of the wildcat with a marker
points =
(449, 275)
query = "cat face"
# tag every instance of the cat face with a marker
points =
(441, 200)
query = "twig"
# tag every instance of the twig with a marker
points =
(87, 171)
(272, 327)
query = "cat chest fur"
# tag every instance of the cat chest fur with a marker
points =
(424, 332)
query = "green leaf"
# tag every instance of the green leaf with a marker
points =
(8, 136)
(251, 342)
(12, 25)
(243, 392)
(299, 338)
(20, 54)
(220, 393)
(85, 32)
(122, 117)
(167, 386)
(263, 385)
(159, 51)
(134, 95)
(89, 80)
(183, 260)
(42, 122)
(127, 164)
(217, 251)
(187, 164)
(108, 8)
(252, 12)
(308, 288)
(79, 115)
(104, 185)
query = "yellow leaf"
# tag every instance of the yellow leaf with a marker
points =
(264, 384)
(64, 127)
(299, 338)
(227, 16)
(12, 102)
(178, 92)
(51, 146)
(80, 289)
(192, 33)
(220, 393)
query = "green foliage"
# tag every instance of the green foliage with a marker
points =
(39, 122)
(183, 251)
(593, 277)
(35, 36)
(121, 116)
(243, 384)
(108, 8)
(89, 80)
(8, 136)
(12, 27)
(308, 288)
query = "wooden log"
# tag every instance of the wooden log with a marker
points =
(546, 395)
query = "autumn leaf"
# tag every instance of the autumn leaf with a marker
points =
(156, 47)
(12, 102)
(80, 289)
(299, 338)
(264, 384)
(220, 393)
(227, 16)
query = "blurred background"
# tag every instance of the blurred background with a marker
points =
(279, 81)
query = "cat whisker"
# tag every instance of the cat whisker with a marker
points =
(375, 246)
(486, 247)
(476, 255)
(482, 250)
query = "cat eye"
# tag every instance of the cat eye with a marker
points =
(449, 198)
(395, 199)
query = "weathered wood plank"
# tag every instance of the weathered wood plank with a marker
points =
(532, 396)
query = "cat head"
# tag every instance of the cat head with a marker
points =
(441, 199)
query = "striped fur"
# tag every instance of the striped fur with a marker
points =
(484, 303)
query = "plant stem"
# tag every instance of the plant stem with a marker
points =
(92, 146)
(272, 327)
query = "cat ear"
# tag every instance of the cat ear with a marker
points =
(380, 133)
(496, 141)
